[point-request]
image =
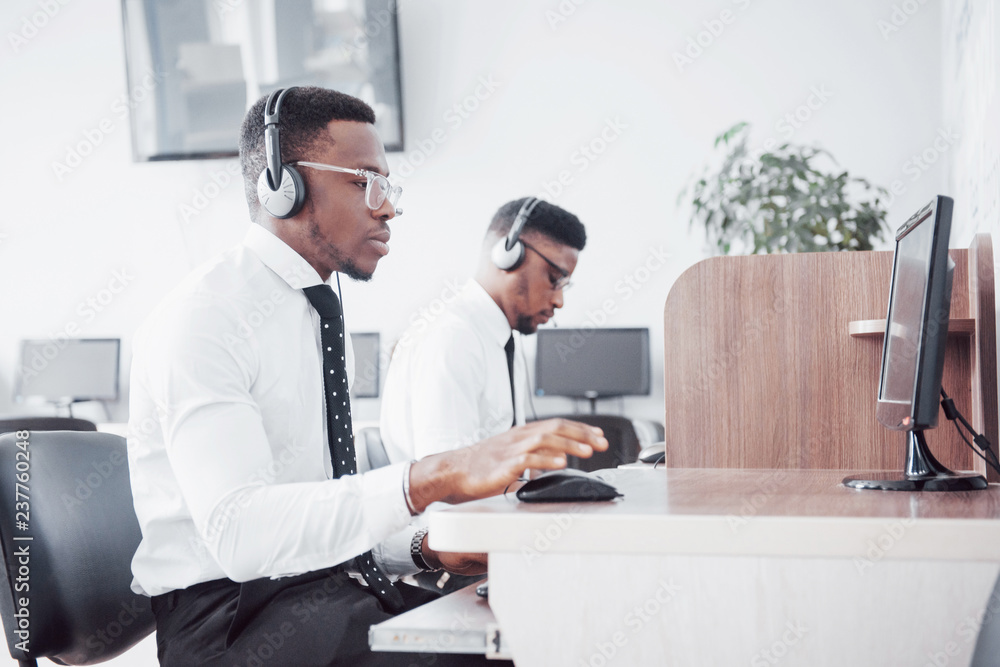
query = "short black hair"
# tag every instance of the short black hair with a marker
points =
(554, 222)
(305, 113)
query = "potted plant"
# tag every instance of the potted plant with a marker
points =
(790, 199)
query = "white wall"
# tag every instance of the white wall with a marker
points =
(970, 83)
(558, 84)
(562, 73)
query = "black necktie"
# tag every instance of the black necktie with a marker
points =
(509, 349)
(340, 434)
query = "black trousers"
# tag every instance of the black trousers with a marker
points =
(317, 619)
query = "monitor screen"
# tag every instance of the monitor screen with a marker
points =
(590, 363)
(917, 320)
(367, 350)
(68, 370)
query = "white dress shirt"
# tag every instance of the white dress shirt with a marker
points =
(228, 456)
(448, 385)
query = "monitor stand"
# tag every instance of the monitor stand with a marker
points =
(923, 473)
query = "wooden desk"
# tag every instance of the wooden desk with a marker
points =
(736, 567)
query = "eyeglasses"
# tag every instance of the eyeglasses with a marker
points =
(559, 283)
(377, 190)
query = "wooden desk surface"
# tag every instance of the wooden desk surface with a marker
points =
(734, 512)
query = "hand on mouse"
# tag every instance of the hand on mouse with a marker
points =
(488, 467)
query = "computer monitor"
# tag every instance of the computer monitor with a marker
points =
(367, 353)
(65, 371)
(914, 348)
(592, 363)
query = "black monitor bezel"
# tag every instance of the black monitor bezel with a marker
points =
(585, 331)
(20, 396)
(922, 410)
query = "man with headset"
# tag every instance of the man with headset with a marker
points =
(458, 378)
(261, 543)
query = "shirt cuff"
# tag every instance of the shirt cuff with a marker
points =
(393, 554)
(384, 507)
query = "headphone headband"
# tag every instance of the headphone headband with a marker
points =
(280, 187)
(272, 130)
(520, 220)
(508, 253)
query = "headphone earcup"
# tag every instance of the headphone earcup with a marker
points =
(288, 199)
(507, 260)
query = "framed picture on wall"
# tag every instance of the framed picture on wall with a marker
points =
(194, 67)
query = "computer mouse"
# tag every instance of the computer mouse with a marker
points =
(566, 485)
(655, 453)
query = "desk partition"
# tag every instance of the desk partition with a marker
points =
(773, 362)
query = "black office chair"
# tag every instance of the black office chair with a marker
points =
(623, 443)
(12, 424)
(68, 550)
(369, 440)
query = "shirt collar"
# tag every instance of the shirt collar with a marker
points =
(281, 258)
(492, 319)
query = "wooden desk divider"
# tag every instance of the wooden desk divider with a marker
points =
(773, 361)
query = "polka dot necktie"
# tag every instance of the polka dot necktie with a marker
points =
(339, 429)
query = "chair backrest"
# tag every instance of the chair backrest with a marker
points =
(12, 424)
(369, 440)
(623, 442)
(68, 548)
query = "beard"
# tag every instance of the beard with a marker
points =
(346, 264)
(349, 269)
(524, 325)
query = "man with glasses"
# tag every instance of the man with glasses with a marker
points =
(459, 377)
(261, 543)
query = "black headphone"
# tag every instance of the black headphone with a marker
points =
(280, 188)
(508, 253)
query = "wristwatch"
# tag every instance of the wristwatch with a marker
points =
(417, 553)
